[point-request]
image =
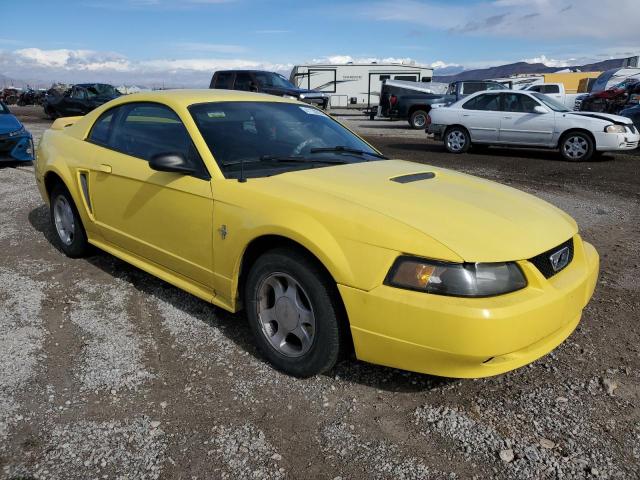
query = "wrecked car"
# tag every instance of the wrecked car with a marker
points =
(79, 100)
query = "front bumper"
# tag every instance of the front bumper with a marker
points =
(607, 142)
(471, 338)
(16, 149)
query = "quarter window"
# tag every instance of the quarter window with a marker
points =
(487, 101)
(406, 78)
(102, 128)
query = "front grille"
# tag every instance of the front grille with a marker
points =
(543, 262)
(6, 146)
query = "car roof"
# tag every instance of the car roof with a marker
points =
(186, 97)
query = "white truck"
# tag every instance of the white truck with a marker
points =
(555, 91)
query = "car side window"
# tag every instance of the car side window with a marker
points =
(516, 102)
(143, 130)
(78, 93)
(102, 128)
(243, 81)
(487, 102)
(549, 89)
(224, 80)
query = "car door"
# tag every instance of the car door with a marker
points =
(163, 217)
(521, 124)
(74, 104)
(481, 117)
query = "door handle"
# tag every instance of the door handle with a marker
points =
(104, 168)
(507, 118)
(465, 114)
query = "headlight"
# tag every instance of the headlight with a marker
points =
(615, 129)
(20, 131)
(301, 96)
(290, 96)
(455, 279)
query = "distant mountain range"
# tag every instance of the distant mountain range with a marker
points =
(523, 68)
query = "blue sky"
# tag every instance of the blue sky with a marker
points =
(183, 41)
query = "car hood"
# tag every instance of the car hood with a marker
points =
(607, 117)
(9, 123)
(479, 220)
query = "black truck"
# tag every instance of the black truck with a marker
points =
(261, 81)
(412, 101)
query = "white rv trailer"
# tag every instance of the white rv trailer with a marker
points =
(355, 84)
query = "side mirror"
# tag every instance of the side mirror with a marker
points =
(539, 109)
(171, 162)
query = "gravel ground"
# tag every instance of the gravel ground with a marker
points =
(108, 372)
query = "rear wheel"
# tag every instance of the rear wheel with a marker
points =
(293, 313)
(457, 140)
(576, 147)
(67, 224)
(418, 120)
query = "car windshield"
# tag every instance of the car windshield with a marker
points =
(269, 79)
(101, 90)
(3, 109)
(267, 138)
(550, 102)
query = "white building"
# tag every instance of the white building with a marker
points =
(355, 84)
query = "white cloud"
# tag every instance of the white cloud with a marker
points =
(540, 19)
(551, 62)
(340, 59)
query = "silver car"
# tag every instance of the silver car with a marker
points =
(529, 119)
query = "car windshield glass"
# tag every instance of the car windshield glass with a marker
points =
(3, 109)
(268, 79)
(550, 102)
(255, 136)
(101, 90)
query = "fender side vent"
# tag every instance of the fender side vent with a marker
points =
(85, 190)
(413, 177)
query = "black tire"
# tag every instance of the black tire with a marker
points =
(576, 147)
(418, 120)
(329, 334)
(51, 112)
(76, 245)
(457, 139)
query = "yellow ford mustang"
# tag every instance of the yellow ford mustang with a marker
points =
(255, 202)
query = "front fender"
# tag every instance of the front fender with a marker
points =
(349, 262)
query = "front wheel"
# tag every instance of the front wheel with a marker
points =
(67, 224)
(457, 140)
(293, 313)
(576, 147)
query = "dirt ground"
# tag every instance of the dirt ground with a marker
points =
(108, 372)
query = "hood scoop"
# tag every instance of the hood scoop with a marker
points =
(413, 177)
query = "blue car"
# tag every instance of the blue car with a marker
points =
(16, 143)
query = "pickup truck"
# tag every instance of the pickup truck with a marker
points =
(412, 101)
(557, 92)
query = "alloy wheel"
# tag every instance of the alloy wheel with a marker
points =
(64, 219)
(456, 140)
(575, 147)
(285, 315)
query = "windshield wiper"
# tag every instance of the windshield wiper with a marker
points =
(300, 159)
(342, 148)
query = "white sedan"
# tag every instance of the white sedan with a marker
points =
(529, 119)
